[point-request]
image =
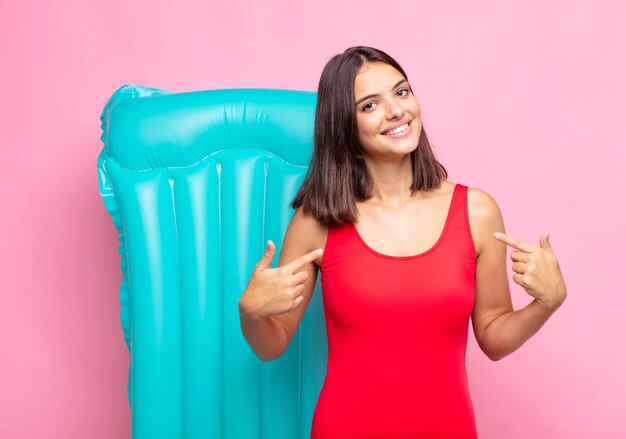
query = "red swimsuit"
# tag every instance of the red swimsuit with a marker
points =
(397, 334)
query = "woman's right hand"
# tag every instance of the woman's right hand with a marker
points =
(273, 291)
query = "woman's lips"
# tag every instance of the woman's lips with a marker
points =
(403, 133)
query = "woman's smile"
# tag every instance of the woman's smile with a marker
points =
(401, 131)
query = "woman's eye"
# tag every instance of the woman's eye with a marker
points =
(367, 106)
(404, 89)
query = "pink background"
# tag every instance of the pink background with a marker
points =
(525, 101)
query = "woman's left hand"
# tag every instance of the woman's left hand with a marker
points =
(537, 270)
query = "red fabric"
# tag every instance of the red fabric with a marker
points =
(397, 335)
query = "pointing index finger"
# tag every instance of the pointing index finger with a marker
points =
(514, 242)
(303, 260)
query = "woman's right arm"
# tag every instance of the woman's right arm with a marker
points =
(275, 300)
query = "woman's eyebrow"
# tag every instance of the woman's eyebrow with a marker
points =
(371, 96)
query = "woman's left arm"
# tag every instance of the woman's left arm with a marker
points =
(500, 330)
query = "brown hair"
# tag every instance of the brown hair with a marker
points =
(337, 175)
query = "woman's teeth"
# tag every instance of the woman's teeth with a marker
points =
(397, 130)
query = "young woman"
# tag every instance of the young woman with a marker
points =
(408, 258)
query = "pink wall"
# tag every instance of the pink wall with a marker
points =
(525, 101)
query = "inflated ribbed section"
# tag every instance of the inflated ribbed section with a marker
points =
(192, 236)
(150, 230)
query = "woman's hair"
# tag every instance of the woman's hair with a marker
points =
(337, 176)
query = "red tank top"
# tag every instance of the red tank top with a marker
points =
(397, 334)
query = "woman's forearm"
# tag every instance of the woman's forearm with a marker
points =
(511, 330)
(265, 335)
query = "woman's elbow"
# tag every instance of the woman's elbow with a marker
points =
(492, 353)
(495, 356)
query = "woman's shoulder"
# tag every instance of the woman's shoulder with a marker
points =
(484, 215)
(481, 202)
(310, 233)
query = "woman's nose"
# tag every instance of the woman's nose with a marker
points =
(395, 109)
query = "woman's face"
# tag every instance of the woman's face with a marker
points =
(382, 117)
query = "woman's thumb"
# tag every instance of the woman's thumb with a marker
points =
(268, 256)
